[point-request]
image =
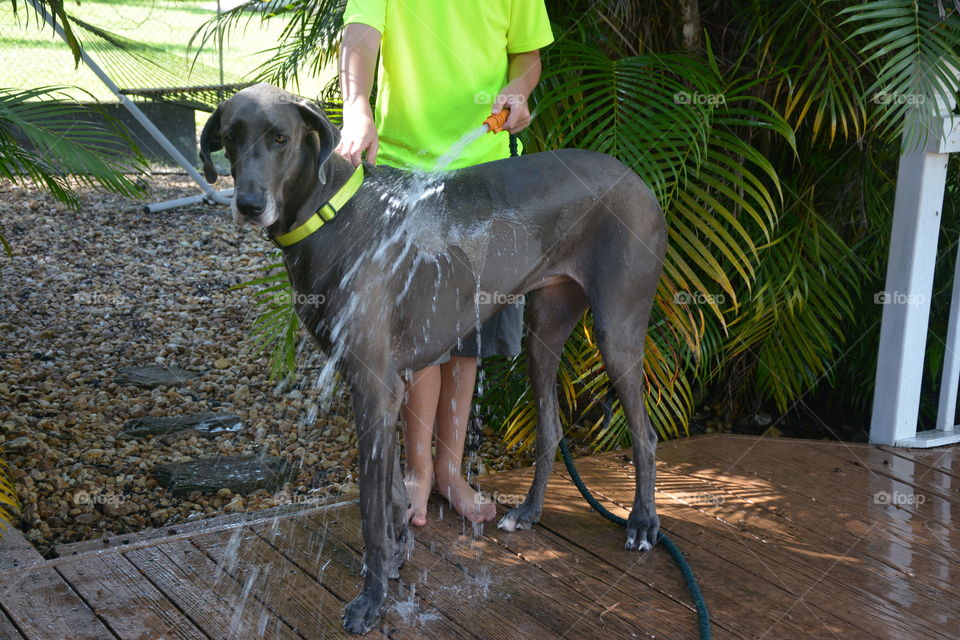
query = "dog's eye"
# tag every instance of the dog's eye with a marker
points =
(280, 139)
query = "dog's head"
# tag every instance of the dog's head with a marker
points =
(276, 143)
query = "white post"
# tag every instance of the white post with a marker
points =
(947, 407)
(903, 332)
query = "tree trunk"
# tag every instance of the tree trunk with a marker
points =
(691, 31)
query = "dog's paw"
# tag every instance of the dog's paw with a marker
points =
(642, 532)
(519, 519)
(363, 613)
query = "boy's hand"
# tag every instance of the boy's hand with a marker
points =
(519, 116)
(359, 134)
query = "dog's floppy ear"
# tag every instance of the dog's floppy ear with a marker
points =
(316, 120)
(209, 142)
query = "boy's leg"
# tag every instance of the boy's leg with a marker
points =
(419, 415)
(458, 377)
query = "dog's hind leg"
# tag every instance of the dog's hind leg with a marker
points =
(376, 402)
(553, 313)
(620, 327)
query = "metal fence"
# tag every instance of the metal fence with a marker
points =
(32, 55)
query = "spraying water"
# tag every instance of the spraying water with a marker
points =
(458, 147)
(390, 254)
(408, 608)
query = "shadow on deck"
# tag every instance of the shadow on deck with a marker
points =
(790, 539)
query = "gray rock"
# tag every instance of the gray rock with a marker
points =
(17, 444)
(207, 425)
(152, 377)
(239, 474)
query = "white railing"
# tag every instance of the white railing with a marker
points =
(903, 333)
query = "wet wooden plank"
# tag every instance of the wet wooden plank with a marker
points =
(761, 520)
(833, 473)
(7, 629)
(856, 584)
(825, 579)
(920, 471)
(316, 548)
(833, 497)
(185, 529)
(489, 568)
(739, 602)
(126, 601)
(943, 459)
(43, 606)
(214, 601)
(15, 550)
(285, 588)
(466, 598)
(649, 602)
(617, 607)
(834, 519)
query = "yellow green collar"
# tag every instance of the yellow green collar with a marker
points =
(325, 213)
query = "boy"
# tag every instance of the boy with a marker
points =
(442, 62)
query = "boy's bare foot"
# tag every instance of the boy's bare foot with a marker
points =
(418, 490)
(468, 502)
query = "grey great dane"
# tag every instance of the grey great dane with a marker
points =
(410, 263)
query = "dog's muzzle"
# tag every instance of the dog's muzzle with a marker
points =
(248, 209)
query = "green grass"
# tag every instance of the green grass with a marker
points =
(34, 57)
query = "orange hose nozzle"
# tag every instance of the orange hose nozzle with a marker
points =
(495, 121)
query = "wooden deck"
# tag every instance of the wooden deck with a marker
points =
(790, 539)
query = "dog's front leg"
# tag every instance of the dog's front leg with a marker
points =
(399, 533)
(376, 405)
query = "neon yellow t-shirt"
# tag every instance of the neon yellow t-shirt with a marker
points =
(442, 62)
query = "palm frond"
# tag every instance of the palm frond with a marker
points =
(689, 132)
(276, 328)
(818, 81)
(308, 43)
(67, 142)
(9, 501)
(917, 59)
(23, 10)
(796, 319)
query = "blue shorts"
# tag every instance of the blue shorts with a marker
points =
(500, 335)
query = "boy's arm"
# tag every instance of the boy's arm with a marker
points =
(358, 62)
(522, 76)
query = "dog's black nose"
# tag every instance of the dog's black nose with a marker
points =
(250, 204)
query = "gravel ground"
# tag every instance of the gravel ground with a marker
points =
(106, 287)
